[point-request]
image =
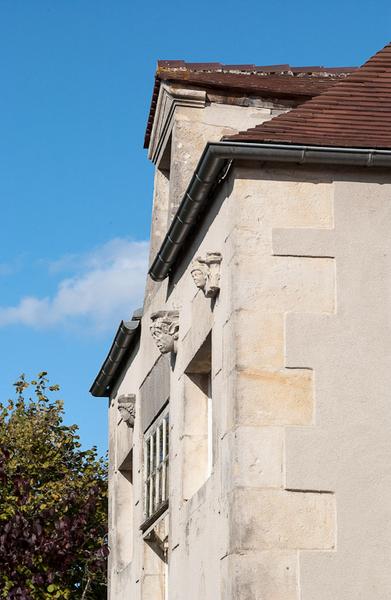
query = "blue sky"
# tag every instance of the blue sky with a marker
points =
(75, 183)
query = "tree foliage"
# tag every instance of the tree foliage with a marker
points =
(53, 502)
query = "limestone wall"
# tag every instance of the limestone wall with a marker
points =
(193, 128)
(285, 494)
(310, 380)
(123, 487)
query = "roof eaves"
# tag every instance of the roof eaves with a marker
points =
(177, 70)
(124, 340)
(213, 168)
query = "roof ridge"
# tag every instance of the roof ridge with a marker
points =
(212, 67)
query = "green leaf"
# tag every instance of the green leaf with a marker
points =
(64, 491)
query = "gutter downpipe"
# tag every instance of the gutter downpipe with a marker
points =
(216, 159)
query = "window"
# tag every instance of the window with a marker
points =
(156, 446)
(198, 421)
(156, 524)
(210, 425)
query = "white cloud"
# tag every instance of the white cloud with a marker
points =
(12, 267)
(5, 269)
(106, 285)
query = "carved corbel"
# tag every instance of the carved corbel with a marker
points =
(165, 330)
(127, 408)
(206, 273)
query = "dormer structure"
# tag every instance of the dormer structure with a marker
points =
(197, 103)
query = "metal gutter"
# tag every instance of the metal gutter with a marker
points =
(127, 335)
(212, 169)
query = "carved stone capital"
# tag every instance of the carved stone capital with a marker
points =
(205, 271)
(127, 408)
(165, 330)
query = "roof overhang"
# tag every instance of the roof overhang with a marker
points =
(125, 339)
(169, 98)
(273, 81)
(213, 167)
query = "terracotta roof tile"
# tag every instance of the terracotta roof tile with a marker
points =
(269, 84)
(270, 81)
(355, 112)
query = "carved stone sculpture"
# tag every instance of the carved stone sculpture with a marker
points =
(164, 329)
(206, 273)
(127, 408)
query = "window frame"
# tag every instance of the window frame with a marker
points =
(156, 446)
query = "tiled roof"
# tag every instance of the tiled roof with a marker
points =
(273, 81)
(355, 112)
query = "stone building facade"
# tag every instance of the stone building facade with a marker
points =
(249, 400)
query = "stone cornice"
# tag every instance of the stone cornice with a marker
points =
(170, 97)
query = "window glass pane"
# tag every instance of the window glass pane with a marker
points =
(157, 490)
(153, 492)
(167, 435)
(156, 467)
(152, 496)
(161, 443)
(146, 498)
(164, 482)
(157, 446)
(147, 458)
(156, 506)
(153, 455)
